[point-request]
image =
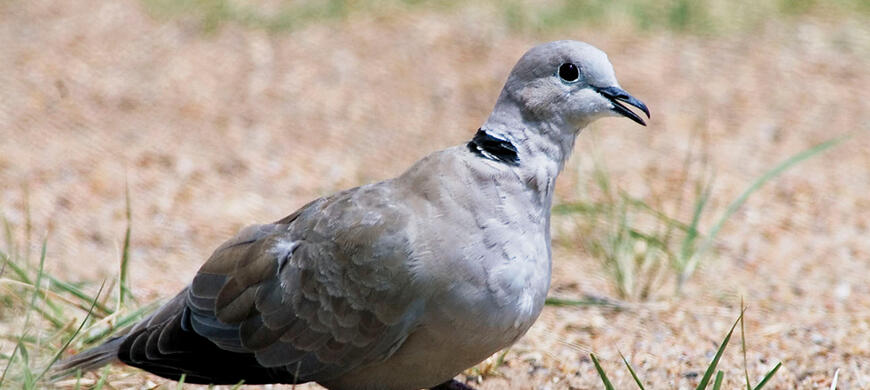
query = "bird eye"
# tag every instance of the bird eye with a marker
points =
(569, 72)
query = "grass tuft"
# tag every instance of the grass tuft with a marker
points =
(640, 246)
(56, 316)
(711, 367)
(20, 347)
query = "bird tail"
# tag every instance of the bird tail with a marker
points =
(89, 360)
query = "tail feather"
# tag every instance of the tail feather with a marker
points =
(107, 353)
(92, 359)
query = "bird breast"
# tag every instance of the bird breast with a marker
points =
(481, 248)
(493, 276)
(493, 295)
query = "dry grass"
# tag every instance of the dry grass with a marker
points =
(213, 131)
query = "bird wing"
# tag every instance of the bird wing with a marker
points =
(312, 296)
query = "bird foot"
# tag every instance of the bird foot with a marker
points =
(452, 384)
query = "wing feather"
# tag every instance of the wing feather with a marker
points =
(311, 297)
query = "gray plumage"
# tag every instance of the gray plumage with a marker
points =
(399, 284)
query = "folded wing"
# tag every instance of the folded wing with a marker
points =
(308, 298)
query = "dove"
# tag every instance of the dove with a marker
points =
(395, 285)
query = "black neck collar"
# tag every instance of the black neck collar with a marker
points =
(496, 149)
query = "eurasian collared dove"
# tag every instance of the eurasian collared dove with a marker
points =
(400, 284)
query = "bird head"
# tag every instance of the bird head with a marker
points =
(568, 84)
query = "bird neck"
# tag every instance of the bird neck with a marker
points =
(535, 150)
(523, 140)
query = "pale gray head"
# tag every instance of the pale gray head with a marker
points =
(553, 91)
(569, 84)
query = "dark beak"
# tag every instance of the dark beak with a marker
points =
(617, 95)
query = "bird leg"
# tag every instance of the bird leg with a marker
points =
(452, 384)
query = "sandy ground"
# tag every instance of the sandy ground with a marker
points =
(216, 131)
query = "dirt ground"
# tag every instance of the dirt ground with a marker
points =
(214, 131)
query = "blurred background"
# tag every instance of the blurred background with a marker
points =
(751, 180)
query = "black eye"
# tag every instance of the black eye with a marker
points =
(569, 72)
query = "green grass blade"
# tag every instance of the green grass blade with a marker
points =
(19, 271)
(137, 314)
(717, 384)
(651, 240)
(592, 301)
(28, 223)
(39, 294)
(767, 176)
(122, 322)
(755, 186)
(102, 381)
(21, 274)
(631, 370)
(73, 336)
(743, 346)
(770, 375)
(10, 242)
(180, 384)
(578, 208)
(603, 181)
(692, 233)
(500, 360)
(38, 286)
(61, 286)
(28, 375)
(125, 252)
(604, 379)
(78, 384)
(9, 363)
(4, 259)
(640, 204)
(712, 367)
